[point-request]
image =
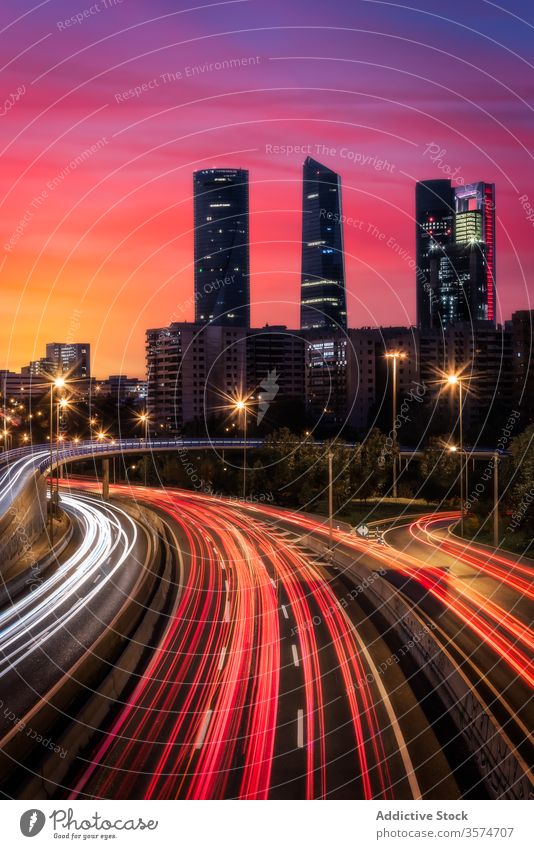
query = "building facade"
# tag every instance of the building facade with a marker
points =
(434, 223)
(323, 299)
(72, 358)
(192, 372)
(221, 249)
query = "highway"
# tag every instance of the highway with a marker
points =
(58, 620)
(477, 601)
(274, 676)
(264, 686)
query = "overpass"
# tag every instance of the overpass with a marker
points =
(23, 470)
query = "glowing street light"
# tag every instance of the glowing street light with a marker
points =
(394, 357)
(144, 419)
(455, 380)
(240, 406)
(57, 383)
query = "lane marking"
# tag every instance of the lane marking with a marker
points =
(227, 612)
(203, 730)
(295, 654)
(399, 736)
(300, 728)
(284, 611)
(221, 659)
(226, 586)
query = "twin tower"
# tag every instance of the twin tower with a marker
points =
(222, 248)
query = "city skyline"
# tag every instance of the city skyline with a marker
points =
(438, 201)
(427, 107)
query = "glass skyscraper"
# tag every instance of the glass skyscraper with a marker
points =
(434, 222)
(480, 197)
(455, 253)
(222, 266)
(323, 300)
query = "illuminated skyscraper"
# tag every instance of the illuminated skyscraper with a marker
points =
(455, 253)
(323, 301)
(434, 221)
(480, 197)
(222, 272)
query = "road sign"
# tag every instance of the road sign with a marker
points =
(363, 531)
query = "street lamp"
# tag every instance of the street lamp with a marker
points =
(240, 406)
(144, 419)
(393, 357)
(62, 404)
(496, 499)
(454, 380)
(5, 434)
(57, 383)
(330, 501)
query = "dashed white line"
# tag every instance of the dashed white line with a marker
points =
(295, 654)
(284, 611)
(300, 728)
(221, 658)
(203, 730)
(227, 612)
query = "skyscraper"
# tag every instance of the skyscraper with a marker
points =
(434, 221)
(323, 301)
(480, 197)
(458, 284)
(222, 272)
(455, 253)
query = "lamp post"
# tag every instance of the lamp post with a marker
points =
(61, 405)
(456, 380)
(5, 434)
(241, 407)
(330, 501)
(394, 356)
(496, 500)
(57, 383)
(144, 418)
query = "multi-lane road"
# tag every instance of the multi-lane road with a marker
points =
(274, 680)
(274, 675)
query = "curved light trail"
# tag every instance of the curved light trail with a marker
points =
(108, 538)
(203, 722)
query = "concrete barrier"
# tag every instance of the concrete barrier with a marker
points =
(88, 692)
(24, 519)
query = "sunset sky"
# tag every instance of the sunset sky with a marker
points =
(101, 249)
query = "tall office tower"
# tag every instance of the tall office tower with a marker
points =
(73, 358)
(323, 300)
(434, 221)
(222, 267)
(480, 197)
(458, 284)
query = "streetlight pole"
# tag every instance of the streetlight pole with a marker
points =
(462, 458)
(330, 500)
(455, 380)
(245, 452)
(57, 383)
(496, 500)
(394, 356)
(144, 418)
